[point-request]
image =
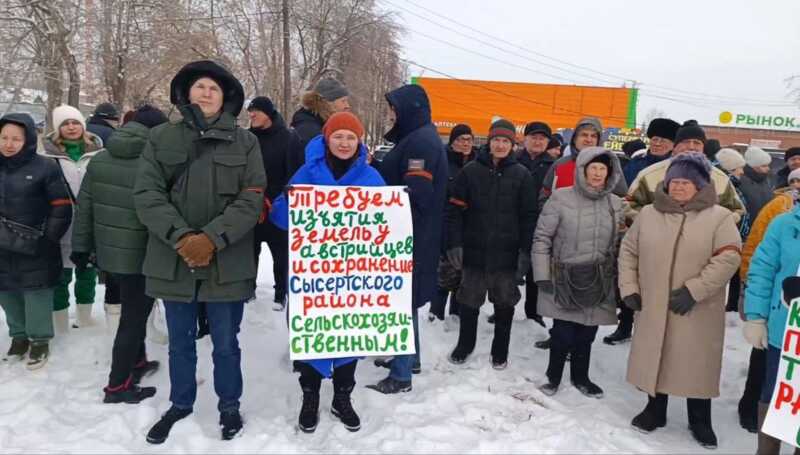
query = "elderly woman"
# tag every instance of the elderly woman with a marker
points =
(37, 211)
(199, 192)
(72, 146)
(674, 264)
(573, 253)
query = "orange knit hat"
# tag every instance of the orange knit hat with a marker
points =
(343, 121)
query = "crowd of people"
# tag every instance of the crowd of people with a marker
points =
(659, 241)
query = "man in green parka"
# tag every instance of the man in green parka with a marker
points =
(200, 191)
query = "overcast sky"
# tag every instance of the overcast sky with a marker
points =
(710, 55)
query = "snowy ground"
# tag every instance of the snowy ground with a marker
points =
(451, 409)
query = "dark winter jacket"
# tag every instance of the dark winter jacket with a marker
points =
(538, 167)
(491, 213)
(100, 127)
(636, 165)
(33, 193)
(756, 189)
(455, 162)
(418, 161)
(105, 218)
(277, 144)
(307, 123)
(782, 178)
(201, 178)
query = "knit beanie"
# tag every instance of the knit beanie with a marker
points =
(756, 157)
(457, 131)
(690, 166)
(794, 151)
(503, 128)
(343, 121)
(149, 116)
(538, 128)
(730, 159)
(710, 148)
(690, 130)
(263, 104)
(795, 174)
(553, 143)
(331, 89)
(65, 112)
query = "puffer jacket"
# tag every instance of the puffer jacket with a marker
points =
(756, 189)
(105, 218)
(73, 172)
(579, 225)
(33, 193)
(783, 202)
(491, 213)
(777, 257)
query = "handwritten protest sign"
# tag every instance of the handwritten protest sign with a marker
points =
(783, 418)
(350, 266)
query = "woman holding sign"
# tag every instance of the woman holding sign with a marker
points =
(335, 158)
(674, 264)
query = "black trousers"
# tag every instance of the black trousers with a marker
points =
(576, 340)
(129, 347)
(755, 381)
(440, 301)
(112, 289)
(531, 296)
(344, 377)
(734, 292)
(278, 242)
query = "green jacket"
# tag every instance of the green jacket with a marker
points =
(190, 182)
(105, 216)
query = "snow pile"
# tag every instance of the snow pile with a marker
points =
(452, 409)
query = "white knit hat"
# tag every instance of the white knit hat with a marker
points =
(730, 159)
(795, 174)
(65, 112)
(757, 157)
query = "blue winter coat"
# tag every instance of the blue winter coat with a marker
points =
(315, 171)
(777, 257)
(418, 161)
(637, 165)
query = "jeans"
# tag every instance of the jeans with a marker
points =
(224, 319)
(403, 364)
(129, 343)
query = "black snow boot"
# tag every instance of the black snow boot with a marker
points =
(143, 369)
(342, 408)
(231, 422)
(467, 335)
(621, 335)
(700, 422)
(654, 415)
(543, 344)
(748, 404)
(390, 385)
(127, 392)
(555, 369)
(18, 349)
(502, 336)
(160, 431)
(415, 369)
(38, 355)
(309, 412)
(579, 372)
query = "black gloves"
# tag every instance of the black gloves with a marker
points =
(545, 285)
(681, 301)
(81, 260)
(523, 265)
(456, 257)
(633, 301)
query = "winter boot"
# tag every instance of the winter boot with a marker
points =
(748, 404)
(127, 392)
(383, 363)
(390, 386)
(160, 431)
(467, 336)
(37, 358)
(143, 369)
(555, 370)
(113, 312)
(502, 336)
(231, 423)
(85, 319)
(543, 344)
(309, 411)
(699, 411)
(154, 334)
(579, 372)
(19, 347)
(654, 415)
(767, 445)
(621, 335)
(61, 321)
(342, 408)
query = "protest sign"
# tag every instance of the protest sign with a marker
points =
(350, 268)
(783, 418)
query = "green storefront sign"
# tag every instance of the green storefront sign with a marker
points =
(783, 122)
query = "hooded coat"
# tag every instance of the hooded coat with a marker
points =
(418, 161)
(199, 175)
(307, 122)
(579, 225)
(668, 247)
(491, 213)
(317, 172)
(756, 189)
(105, 217)
(33, 193)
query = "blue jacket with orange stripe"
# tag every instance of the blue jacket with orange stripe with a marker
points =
(418, 161)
